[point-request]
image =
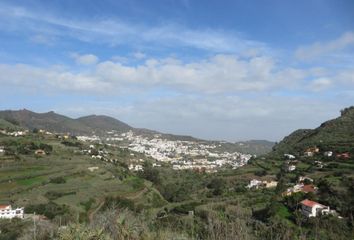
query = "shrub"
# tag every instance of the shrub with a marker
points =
(57, 180)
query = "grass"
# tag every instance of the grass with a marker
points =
(30, 181)
(283, 212)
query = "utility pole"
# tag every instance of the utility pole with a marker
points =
(34, 227)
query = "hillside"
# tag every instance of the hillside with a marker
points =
(100, 125)
(336, 133)
(86, 194)
(49, 121)
(104, 123)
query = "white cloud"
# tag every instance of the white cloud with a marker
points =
(220, 74)
(117, 32)
(323, 48)
(320, 84)
(86, 59)
(139, 55)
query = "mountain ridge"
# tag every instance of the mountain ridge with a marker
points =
(338, 132)
(100, 124)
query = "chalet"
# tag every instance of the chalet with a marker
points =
(303, 179)
(270, 184)
(6, 211)
(313, 209)
(2, 149)
(92, 169)
(254, 183)
(300, 187)
(343, 155)
(310, 152)
(291, 168)
(328, 154)
(308, 188)
(319, 164)
(40, 152)
(289, 156)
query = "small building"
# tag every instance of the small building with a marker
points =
(289, 156)
(40, 152)
(2, 149)
(270, 184)
(310, 152)
(6, 211)
(291, 168)
(254, 183)
(313, 209)
(328, 154)
(92, 169)
(300, 187)
(345, 155)
(303, 178)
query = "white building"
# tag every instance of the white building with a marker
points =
(328, 154)
(289, 156)
(291, 168)
(313, 209)
(254, 183)
(6, 211)
(2, 149)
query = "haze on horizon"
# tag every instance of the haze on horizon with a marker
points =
(232, 70)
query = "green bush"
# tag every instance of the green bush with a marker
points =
(50, 210)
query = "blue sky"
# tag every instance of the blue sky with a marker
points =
(231, 70)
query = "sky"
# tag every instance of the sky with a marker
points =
(217, 69)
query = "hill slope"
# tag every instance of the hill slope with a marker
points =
(99, 125)
(338, 133)
(104, 123)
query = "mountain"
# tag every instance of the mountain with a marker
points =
(104, 123)
(99, 125)
(258, 147)
(336, 133)
(50, 121)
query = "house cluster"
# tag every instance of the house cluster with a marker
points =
(256, 184)
(14, 133)
(312, 151)
(136, 167)
(6, 211)
(304, 184)
(180, 154)
(93, 138)
(184, 154)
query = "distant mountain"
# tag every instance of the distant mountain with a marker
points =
(50, 121)
(99, 125)
(104, 123)
(258, 147)
(333, 134)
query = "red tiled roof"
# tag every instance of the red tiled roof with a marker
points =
(4, 206)
(308, 188)
(310, 203)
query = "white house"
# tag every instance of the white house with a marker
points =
(254, 183)
(291, 168)
(2, 149)
(6, 211)
(313, 209)
(328, 154)
(289, 156)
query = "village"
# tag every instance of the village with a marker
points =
(189, 155)
(303, 184)
(181, 155)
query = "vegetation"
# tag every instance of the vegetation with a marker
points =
(111, 202)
